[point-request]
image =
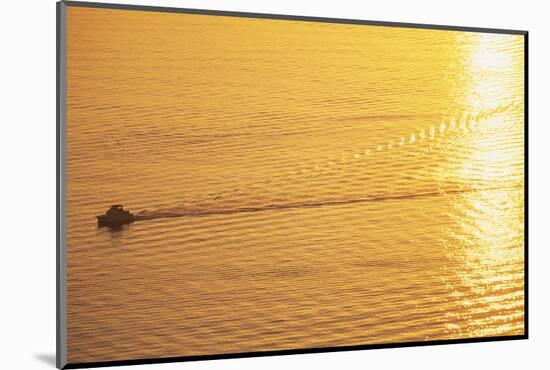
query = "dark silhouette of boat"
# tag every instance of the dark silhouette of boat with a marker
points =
(115, 216)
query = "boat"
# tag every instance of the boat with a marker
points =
(115, 216)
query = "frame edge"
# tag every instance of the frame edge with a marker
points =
(287, 17)
(61, 278)
(526, 185)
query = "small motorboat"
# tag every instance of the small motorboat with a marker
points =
(115, 216)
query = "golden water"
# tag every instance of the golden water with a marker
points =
(337, 184)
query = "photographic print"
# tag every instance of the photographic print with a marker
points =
(236, 185)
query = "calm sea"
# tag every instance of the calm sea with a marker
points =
(335, 184)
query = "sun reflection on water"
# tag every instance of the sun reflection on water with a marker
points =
(488, 224)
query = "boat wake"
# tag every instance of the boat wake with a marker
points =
(274, 194)
(212, 210)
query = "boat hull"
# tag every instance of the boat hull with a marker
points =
(104, 220)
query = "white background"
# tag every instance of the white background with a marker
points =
(27, 182)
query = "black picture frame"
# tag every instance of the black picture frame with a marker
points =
(61, 271)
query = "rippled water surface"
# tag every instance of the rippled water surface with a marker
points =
(301, 184)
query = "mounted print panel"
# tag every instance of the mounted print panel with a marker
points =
(238, 184)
